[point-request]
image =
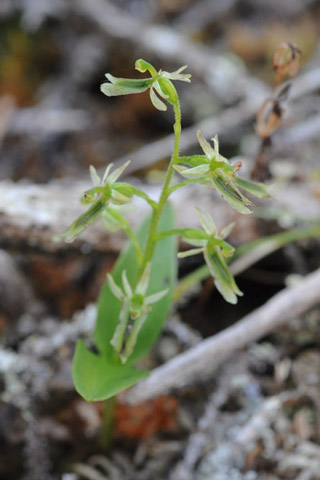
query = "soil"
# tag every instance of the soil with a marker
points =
(257, 417)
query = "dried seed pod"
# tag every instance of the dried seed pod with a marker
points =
(286, 61)
(268, 118)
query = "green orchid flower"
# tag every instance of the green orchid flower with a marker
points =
(134, 311)
(216, 171)
(159, 84)
(214, 249)
(106, 192)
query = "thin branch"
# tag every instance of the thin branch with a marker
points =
(227, 120)
(199, 361)
(219, 72)
(198, 16)
(42, 121)
(230, 118)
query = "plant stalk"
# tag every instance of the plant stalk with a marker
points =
(152, 236)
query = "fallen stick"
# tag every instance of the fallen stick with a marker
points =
(200, 361)
(227, 120)
(222, 74)
(155, 151)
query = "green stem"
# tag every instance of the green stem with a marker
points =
(107, 423)
(247, 255)
(152, 236)
(168, 233)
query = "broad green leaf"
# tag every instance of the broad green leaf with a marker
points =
(163, 275)
(97, 379)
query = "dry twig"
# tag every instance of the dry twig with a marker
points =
(232, 117)
(199, 361)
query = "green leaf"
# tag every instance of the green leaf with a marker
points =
(97, 379)
(163, 275)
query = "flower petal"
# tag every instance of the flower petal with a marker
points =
(206, 147)
(116, 174)
(94, 176)
(193, 172)
(177, 75)
(126, 284)
(207, 222)
(117, 292)
(106, 173)
(225, 232)
(118, 338)
(156, 102)
(158, 89)
(155, 297)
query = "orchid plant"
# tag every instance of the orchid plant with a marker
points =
(145, 273)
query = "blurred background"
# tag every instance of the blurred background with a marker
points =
(55, 123)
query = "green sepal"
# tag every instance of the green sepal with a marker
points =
(144, 66)
(193, 160)
(193, 172)
(194, 233)
(82, 222)
(224, 281)
(231, 195)
(124, 86)
(255, 188)
(122, 193)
